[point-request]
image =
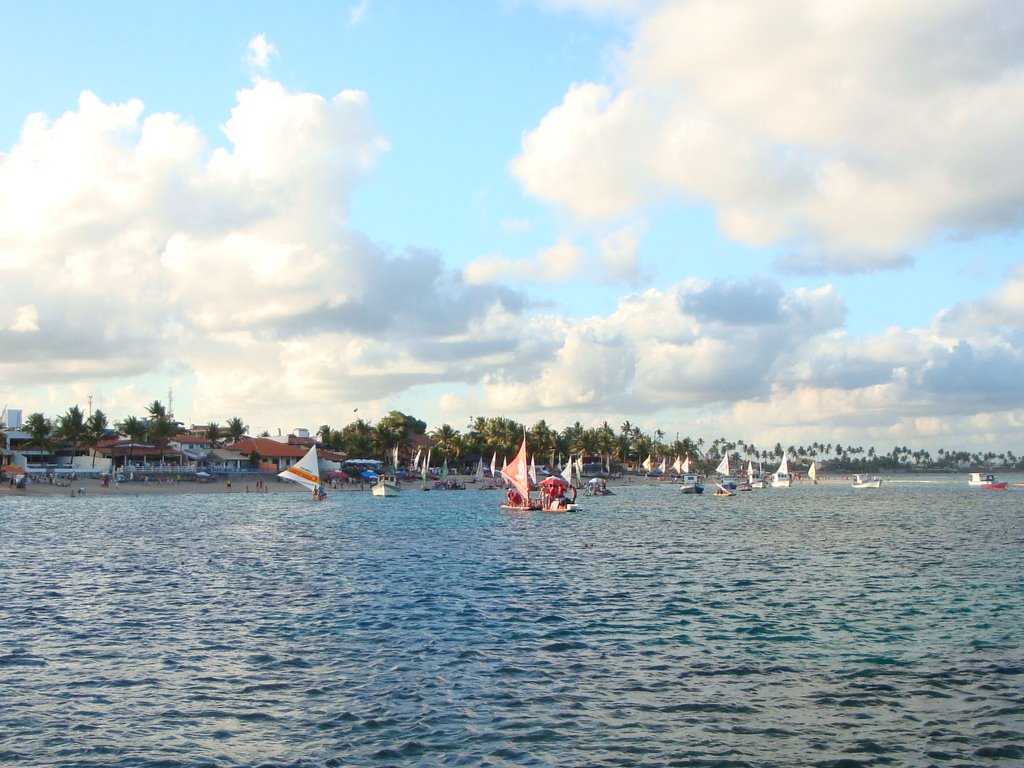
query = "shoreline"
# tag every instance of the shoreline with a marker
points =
(246, 483)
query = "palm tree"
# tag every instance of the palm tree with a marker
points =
(161, 430)
(357, 439)
(40, 430)
(71, 427)
(135, 429)
(236, 429)
(95, 430)
(324, 434)
(214, 433)
(445, 439)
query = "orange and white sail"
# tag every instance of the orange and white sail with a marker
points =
(305, 472)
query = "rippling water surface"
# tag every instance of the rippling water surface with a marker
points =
(816, 626)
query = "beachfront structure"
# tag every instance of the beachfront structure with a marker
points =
(273, 456)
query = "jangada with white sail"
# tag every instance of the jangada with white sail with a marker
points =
(306, 472)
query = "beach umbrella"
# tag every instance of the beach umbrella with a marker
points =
(554, 481)
(203, 474)
(14, 469)
(338, 475)
(369, 473)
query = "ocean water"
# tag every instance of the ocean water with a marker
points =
(819, 626)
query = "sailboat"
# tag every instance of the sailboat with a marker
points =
(518, 475)
(306, 472)
(782, 478)
(813, 472)
(425, 470)
(726, 480)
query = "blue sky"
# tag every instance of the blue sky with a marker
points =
(778, 222)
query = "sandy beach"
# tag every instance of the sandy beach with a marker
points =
(247, 483)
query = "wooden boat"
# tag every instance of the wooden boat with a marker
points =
(517, 473)
(386, 486)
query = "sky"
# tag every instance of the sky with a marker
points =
(773, 221)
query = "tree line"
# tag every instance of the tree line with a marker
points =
(626, 445)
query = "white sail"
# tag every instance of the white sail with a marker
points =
(494, 464)
(305, 472)
(723, 466)
(813, 472)
(416, 461)
(783, 469)
(567, 471)
(677, 465)
(533, 469)
(663, 466)
(480, 470)
(686, 465)
(647, 463)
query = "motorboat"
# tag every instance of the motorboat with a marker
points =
(867, 481)
(986, 481)
(690, 484)
(386, 486)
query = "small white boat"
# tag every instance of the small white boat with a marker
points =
(386, 486)
(867, 481)
(985, 480)
(755, 479)
(690, 484)
(721, 490)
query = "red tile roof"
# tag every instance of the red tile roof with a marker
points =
(268, 449)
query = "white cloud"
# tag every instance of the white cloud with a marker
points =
(258, 53)
(133, 249)
(26, 319)
(144, 253)
(620, 253)
(849, 133)
(357, 12)
(550, 265)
